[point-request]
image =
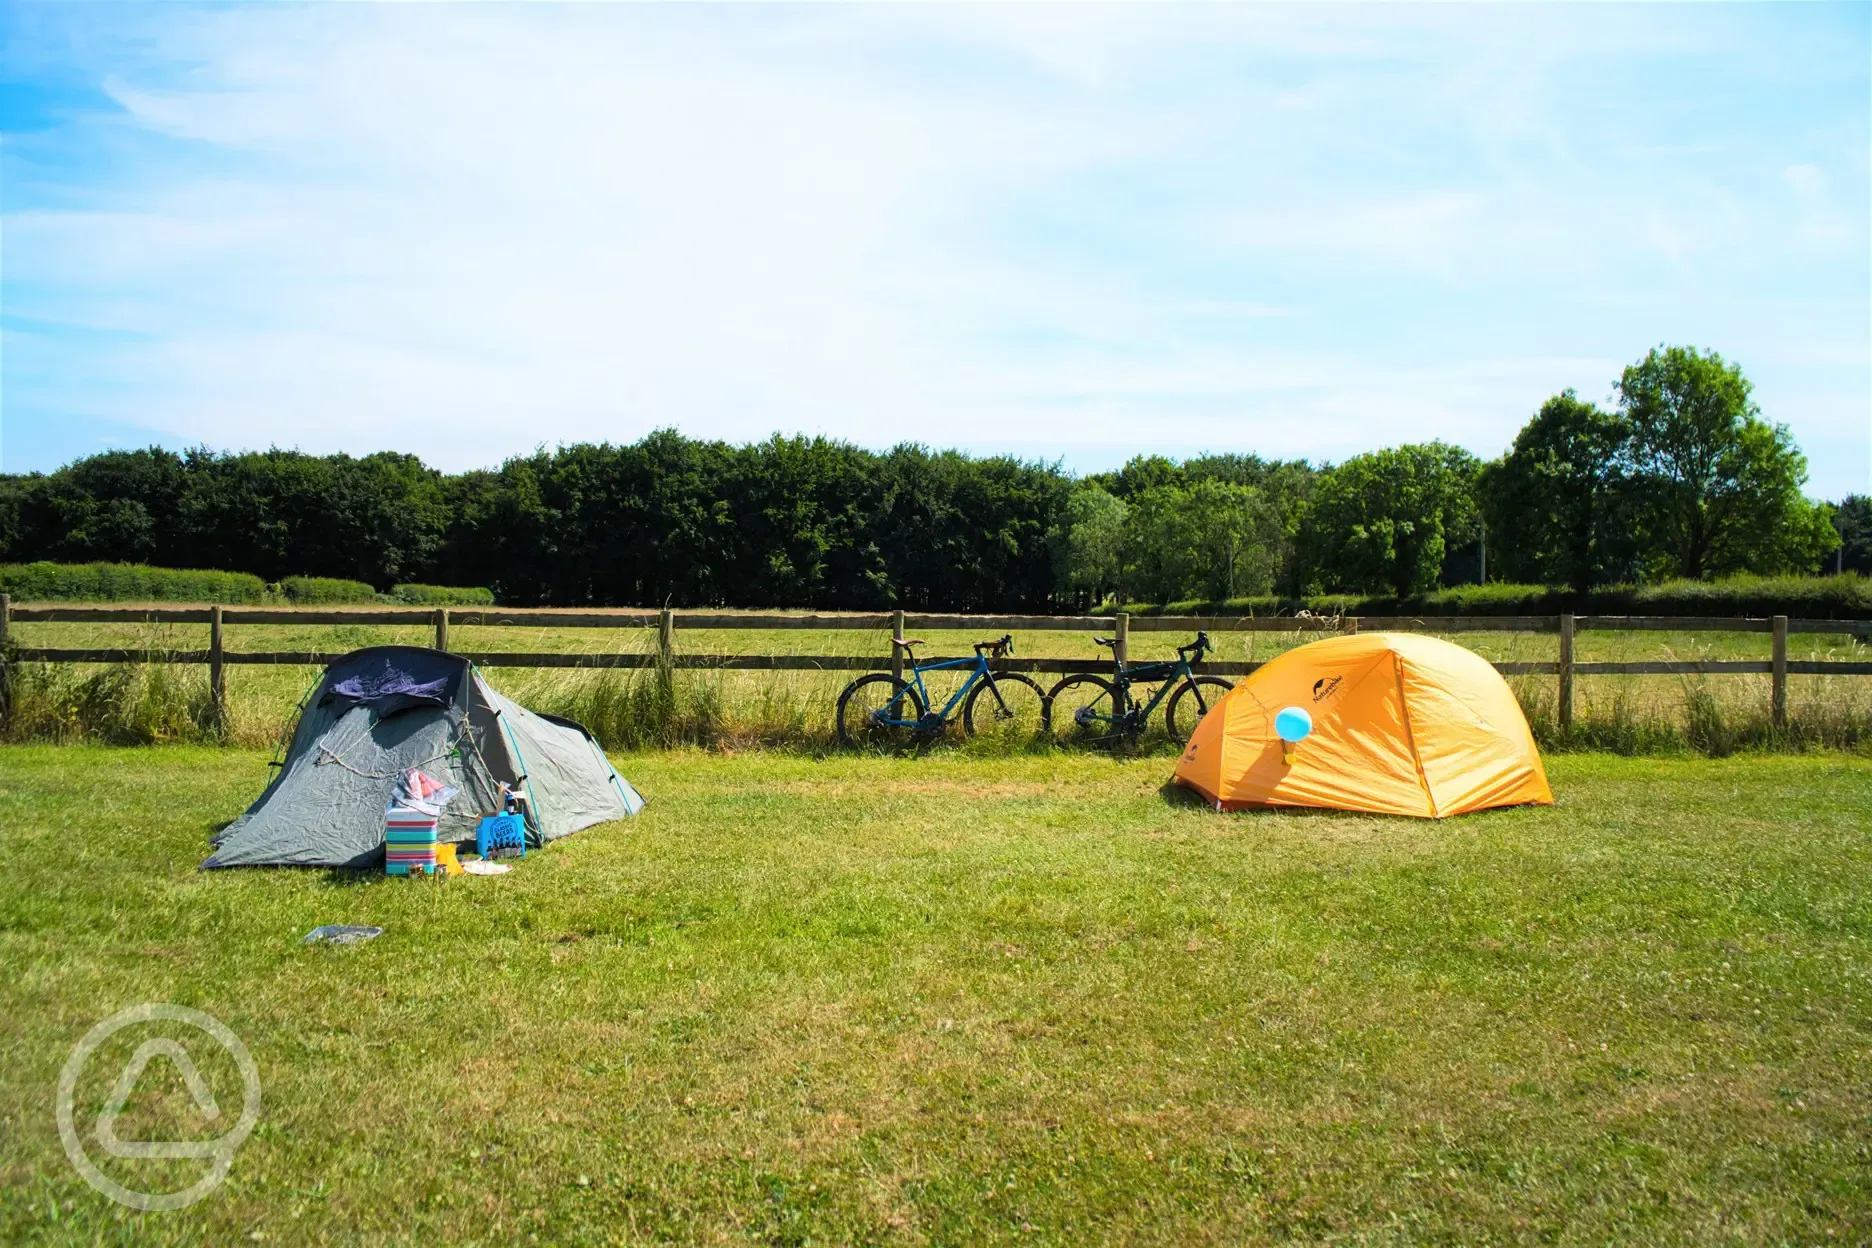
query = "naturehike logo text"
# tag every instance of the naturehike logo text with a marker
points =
(1323, 688)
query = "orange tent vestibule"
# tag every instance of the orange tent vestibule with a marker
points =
(1402, 725)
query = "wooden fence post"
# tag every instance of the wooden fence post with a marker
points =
(1779, 704)
(217, 673)
(6, 671)
(897, 635)
(441, 623)
(1566, 673)
(666, 636)
(1121, 653)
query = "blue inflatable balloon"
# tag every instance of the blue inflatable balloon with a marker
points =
(1293, 723)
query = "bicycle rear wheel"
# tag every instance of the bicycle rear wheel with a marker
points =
(1084, 709)
(869, 702)
(1191, 702)
(1012, 708)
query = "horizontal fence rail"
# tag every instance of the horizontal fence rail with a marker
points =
(900, 624)
(549, 617)
(862, 663)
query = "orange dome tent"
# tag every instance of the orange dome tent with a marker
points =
(1402, 725)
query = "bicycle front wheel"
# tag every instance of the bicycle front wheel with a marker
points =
(878, 711)
(1008, 706)
(1191, 702)
(1084, 709)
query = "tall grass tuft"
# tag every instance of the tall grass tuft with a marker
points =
(659, 707)
(1706, 717)
(655, 707)
(119, 704)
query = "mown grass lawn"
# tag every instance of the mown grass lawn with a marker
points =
(960, 1000)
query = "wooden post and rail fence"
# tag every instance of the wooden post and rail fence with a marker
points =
(667, 623)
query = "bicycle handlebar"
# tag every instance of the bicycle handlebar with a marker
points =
(1200, 646)
(1000, 645)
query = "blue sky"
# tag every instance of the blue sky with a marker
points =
(1066, 232)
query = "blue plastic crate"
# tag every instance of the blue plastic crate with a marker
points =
(496, 832)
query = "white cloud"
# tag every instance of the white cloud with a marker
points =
(466, 230)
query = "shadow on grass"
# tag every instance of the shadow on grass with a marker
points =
(1183, 798)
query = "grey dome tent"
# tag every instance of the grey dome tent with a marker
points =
(377, 713)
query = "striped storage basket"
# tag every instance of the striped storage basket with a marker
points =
(409, 841)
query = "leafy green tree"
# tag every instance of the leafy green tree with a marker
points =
(1284, 486)
(1160, 556)
(1212, 540)
(1238, 537)
(1383, 521)
(1761, 520)
(1558, 504)
(1852, 521)
(14, 491)
(1722, 487)
(1146, 472)
(1088, 544)
(119, 506)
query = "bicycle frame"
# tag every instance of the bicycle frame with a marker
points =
(1171, 673)
(981, 672)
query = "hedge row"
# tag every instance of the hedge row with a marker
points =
(443, 595)
(135, 582)
(126, 582)
(1847, 597)
(310, 590)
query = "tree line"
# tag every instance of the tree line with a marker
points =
(1681, 476)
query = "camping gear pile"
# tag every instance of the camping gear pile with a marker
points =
(410, 823)
(384, 724)
(1390, 723)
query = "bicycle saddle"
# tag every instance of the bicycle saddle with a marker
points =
(906, 642)
(1106, 641)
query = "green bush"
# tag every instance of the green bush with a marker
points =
(1803, 597)
(125, 582)
(305, 590)
(443, 595)
(1846, 597)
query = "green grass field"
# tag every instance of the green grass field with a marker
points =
(954, 1000)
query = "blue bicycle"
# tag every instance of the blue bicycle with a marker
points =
(883, 710)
